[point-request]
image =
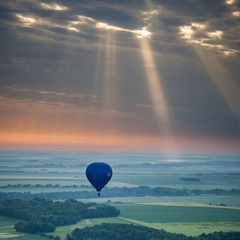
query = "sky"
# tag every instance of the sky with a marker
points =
(129, 75)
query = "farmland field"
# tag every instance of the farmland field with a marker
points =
(181, 218)
(35, 172)
(232, 201)
(166, 214)
(190, 229)
(62, 231)
(177, 218)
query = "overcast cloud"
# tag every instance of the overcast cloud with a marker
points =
(94, 68)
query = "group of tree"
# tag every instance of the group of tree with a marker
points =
(44, 215)
(34, 227)
(109, 231)
(140, 191)
(49, 185)
(190, 179)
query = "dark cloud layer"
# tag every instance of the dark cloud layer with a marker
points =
(82, 53)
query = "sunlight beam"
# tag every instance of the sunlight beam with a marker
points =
(99, 65)
(155, 87)
(228, 88)
(142, 33)
(110, 91)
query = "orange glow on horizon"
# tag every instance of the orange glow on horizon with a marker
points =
(57, 126)
(117, 142)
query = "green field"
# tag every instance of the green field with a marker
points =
(177, 218)
(63, 231)
(154, 213)
(120, 179)
(63, 171)
(190, 229)
(191, 221)
(231, 201)
(188, 220)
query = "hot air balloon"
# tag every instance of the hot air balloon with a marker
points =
(99, 174)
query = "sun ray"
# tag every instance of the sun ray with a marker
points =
(229, 89)
(154, 79)
(110, 92)
(158, 98)
(221, 78)
(99, 65)
(154, 82)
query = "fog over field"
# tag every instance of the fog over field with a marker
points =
(191, 163)
(168, 191)
(129, 169)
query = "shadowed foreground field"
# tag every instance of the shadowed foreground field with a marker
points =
(188, 220)
(191, 221)
(32, 172)
(170, 214)
(188, 228)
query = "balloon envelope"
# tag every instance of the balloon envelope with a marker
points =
(99, 174)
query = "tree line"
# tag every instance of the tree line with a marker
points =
(44, 215)
(29, 185)
(109, 231)
(140, 191)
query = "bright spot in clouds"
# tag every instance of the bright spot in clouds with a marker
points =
(143, 33)
(27, 21)
(197, 33)
(109, 27)
(186, 32)
(230, 2)
(237, 14)
(215, 34)
(140, 33)
(56, 7)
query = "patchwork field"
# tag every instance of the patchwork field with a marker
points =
(189, 219)
(190, 229)
(190, 215)
(176, 218)
(154, 213)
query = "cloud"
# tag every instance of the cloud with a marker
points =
(216, 16)
(59, 54)
(78, 24)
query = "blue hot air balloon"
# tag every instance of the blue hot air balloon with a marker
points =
(99, 174)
